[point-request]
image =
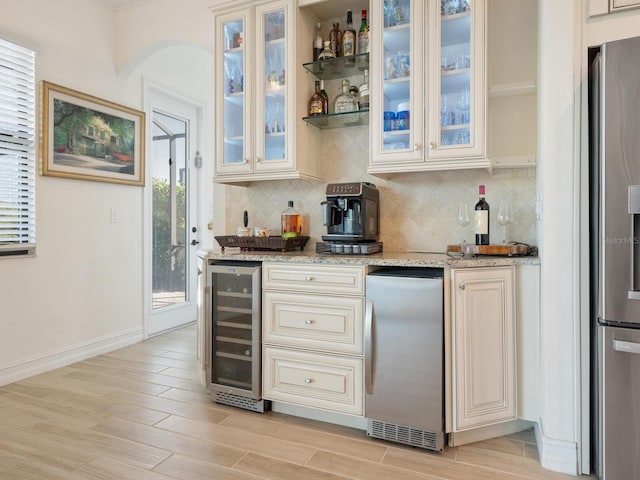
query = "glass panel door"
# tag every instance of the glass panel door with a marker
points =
(234, 92)
(169, 211)
(274, 82)
(456, 73)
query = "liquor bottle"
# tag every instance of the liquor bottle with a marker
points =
(323, 92)
(363, 34)
(482, 220)
(290, 221)
(349, 37)
(317, 42)
(316, 102)
(326, 53)
(335, 39)
(364, 92)
(345, 102)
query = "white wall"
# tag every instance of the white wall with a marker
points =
(83, 292)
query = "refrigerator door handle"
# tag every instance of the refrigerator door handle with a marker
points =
(634, 211)
(626, 347)
(368, 348)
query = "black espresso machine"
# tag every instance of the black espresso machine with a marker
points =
(351, 214)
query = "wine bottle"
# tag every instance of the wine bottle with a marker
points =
(335, 39)
(349, 37)
(323, 92)
(363, 34)
(482, 219)
(318, 44)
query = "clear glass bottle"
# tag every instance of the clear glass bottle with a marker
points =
(317, 42)
(345, 102)
(363, 34)
(335, 39)
(364, 92)
(291, 222)
(327, 53)
(349, 37)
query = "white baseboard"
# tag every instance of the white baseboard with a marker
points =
(43, 363)
(557, 455)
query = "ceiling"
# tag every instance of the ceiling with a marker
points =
(116, 5)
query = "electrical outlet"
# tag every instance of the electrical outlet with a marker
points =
(113, 215)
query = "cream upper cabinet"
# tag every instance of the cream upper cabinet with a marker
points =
(428, 88)
(483, 347)
(257, 126)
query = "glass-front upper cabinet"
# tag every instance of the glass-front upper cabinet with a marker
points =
(397, 107)
(427, 118)
(232, 94)
(271, 87)
(460, 95)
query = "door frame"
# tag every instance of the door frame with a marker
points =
(157, 97)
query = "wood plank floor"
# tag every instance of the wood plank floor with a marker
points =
(140, 413)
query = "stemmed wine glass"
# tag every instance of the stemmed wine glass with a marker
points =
(463, 216)
(505, 217)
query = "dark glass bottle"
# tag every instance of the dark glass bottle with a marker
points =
(335, 40)
(316, 102)
(349, 37)
(482, 219)
(323, 92)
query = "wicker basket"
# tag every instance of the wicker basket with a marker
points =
(274, 243)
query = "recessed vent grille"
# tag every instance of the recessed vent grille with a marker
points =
(407, 435)
(259, 406)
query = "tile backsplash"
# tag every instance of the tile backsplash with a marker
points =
(417, 210)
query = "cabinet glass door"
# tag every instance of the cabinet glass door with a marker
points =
(232, 94)
(399, 118)
(272, 128)
(461, 79)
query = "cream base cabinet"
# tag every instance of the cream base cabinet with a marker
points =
(483, 347)
(312, 334)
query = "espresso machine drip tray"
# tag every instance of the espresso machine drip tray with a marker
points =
(349, 248)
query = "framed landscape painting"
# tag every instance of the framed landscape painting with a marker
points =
(88, 138)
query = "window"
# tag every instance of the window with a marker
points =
(17, 150)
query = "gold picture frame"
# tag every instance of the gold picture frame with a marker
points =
(88, 138)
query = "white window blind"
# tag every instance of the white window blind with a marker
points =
(17, 150)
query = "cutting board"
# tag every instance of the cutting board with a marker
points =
(508, 249)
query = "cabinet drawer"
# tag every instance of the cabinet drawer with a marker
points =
(313, 380)
(332, 324)
(336, 280)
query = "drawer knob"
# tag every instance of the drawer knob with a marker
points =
(308, 380)
(308, 322)
(308, 279)
(462, 286)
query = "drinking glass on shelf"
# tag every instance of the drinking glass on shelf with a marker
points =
(505, 217)
(463, 216)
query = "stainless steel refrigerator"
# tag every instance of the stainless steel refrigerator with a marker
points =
(615, 258)
(404, 328)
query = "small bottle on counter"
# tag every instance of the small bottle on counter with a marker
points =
(291, 222)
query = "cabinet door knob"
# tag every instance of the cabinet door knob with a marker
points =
(308, 279)
(258, 160)
(308, 322)
(462, 286)
(416, 147)
(308, 380)
(432, 145)
(246, 160)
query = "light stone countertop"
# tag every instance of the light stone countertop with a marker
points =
(395, 259)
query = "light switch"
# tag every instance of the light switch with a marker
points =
(113, 214)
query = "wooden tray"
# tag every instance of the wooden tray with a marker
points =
(274, 243)
(510, 249)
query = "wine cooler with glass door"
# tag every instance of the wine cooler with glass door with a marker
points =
(233, 332)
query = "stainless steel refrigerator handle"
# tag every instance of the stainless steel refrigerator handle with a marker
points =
(207, 313)
(626, 347)
(368, 348)
(634, 212)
